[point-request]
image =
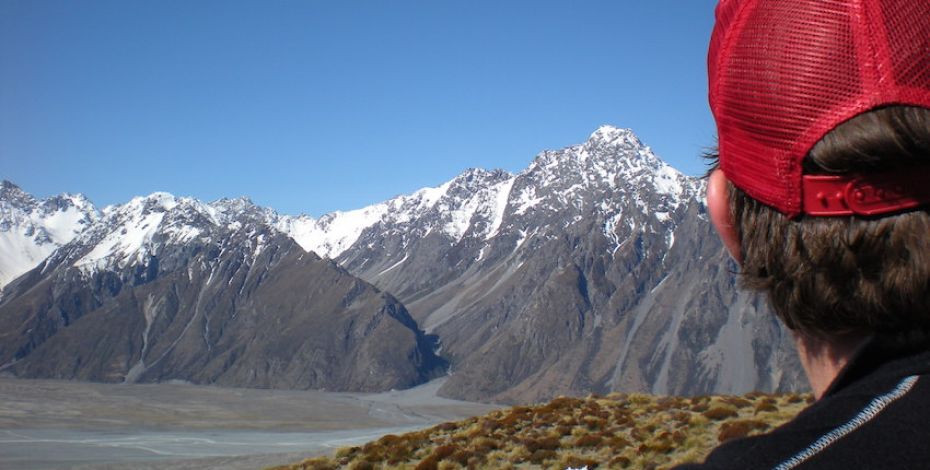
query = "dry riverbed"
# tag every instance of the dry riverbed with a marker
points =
(59, 424)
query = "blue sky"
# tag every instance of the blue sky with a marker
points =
(313, 106)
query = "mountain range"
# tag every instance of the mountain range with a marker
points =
(592, 270)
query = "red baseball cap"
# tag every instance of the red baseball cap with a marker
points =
(784, 73)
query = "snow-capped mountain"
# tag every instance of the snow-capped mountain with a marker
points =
(474, 203)
(612, 182)
(171, 288)
(592, 270)
(476, 196)
(133, 233)
(31, 229)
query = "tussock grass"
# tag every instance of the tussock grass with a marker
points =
(617, 431)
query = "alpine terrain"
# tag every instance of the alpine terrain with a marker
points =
(30, 230)
(165, 288)
(592, 270)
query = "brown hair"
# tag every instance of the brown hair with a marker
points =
(832, 276)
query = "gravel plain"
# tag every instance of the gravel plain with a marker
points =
(47, 424)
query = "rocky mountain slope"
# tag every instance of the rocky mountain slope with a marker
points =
(166, 288)
(592, 270)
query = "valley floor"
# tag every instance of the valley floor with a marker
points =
(61, 424)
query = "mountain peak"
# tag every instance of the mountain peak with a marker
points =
(159, 201)
(614, 135)
(480, 176)
(243, 209)
(239, 204)
(8, 189)
(31, 229)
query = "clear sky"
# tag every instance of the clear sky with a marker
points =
(313, 106)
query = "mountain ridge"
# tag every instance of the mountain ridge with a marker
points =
(310, 232)
(167, 288)
(592, 270)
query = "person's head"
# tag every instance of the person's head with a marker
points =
(822, 191)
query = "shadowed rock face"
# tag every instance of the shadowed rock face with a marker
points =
(242, 306)
(603, 275)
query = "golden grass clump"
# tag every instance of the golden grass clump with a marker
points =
(617, 431)
(740, 428)
(720, 412)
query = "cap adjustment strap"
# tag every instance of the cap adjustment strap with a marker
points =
(883, 193)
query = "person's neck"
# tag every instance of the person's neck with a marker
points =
(823, 359)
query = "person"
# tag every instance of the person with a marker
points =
(821, 193)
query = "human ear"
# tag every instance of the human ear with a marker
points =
(718, 205)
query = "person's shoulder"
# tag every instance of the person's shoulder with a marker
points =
(849, 429)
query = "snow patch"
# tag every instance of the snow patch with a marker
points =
(460, 220)
(119, 246)
(481, 253)
(30, 230)
(524, 235)
(394, 265)
(668, 181)
(334, 233)
(610, 231)
(526, 200)
(502, 197)
(20, 253)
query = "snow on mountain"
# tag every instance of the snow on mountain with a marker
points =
(533, 281)
(494, 221)
(501, 193)
(333, 233)
(553, 280)
(233, 213)
(449, 209)
(475, 202)
(128, 234)
(126, 231)
(483, 201)
(612, 159)
(31, 229)
(170, 288)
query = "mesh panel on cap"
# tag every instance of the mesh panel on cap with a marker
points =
(783, 73)
(908, 29)
(779, 79)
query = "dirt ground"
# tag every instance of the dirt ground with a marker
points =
(62, 424)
